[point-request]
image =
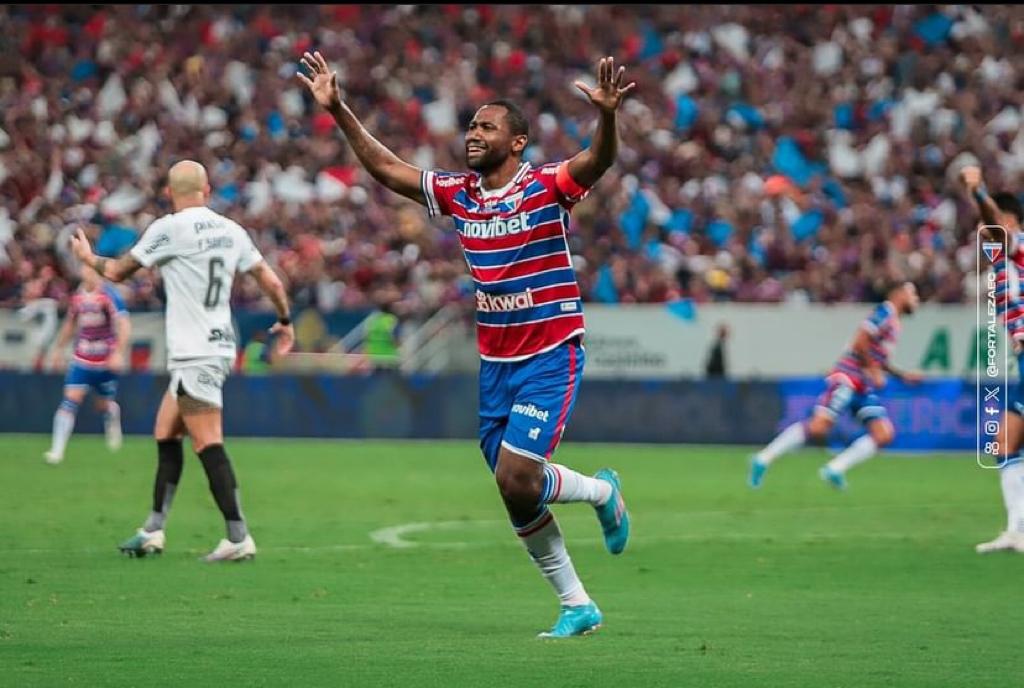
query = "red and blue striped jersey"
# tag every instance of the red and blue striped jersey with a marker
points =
(883, 328)
(514, 240)
(1009, 304)
(96, 313)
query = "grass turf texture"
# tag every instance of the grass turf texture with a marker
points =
(794, 585)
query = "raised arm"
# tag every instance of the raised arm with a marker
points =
(862, 348)
(906, 376)
(386, 167)
(113, 269)
(987, 208)
(122, 334)
(272, 286)
(67, 328)
(587, 166)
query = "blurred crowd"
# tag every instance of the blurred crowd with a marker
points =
(769, 153)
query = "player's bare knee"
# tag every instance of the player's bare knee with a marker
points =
(164, 429)
(519, 479)
(882, 432)
(74, 394)
(1014, 431)
(517, 487)
(818, 428)
(202, 440)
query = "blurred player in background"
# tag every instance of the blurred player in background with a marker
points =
(852, 386)
(199, 252)
(1004, 210)
(98, 320)
(511, 219)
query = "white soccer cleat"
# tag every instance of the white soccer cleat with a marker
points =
(53, 458)
(112, 429)
(1007, 541)
(233, 551)
(143, 543)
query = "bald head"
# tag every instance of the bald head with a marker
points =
(187, 182)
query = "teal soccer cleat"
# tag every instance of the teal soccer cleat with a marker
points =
(612, 514)
(757, 471)
(833, 478)
(573, 621)
(143, 543)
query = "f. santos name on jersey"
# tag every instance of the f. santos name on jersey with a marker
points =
(494, 227)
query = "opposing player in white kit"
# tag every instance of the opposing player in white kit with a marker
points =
(198, 252)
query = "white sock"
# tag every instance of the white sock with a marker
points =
(63, 425)
(862, 449)
(789, 439)
(563, 485)
(543, 540)
(1011, 479)
(113, 413)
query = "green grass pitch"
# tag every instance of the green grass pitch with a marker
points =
(794, 585)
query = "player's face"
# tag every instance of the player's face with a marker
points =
(489, 142)
(90, 280)
(911, 299)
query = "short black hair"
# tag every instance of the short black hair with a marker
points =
(517, 123)
(1009, 203)
(894, 285)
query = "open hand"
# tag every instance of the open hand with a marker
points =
(971, 177)
(913, 378)
(609, 92)
(285, 338)
(324, 83)
(81, 248)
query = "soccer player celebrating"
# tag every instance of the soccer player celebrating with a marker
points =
(1004, 210)
(852, 386)
(512, 219)
(198, 252)
(100, 349)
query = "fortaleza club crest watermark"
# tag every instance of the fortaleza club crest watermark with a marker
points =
(992, 388)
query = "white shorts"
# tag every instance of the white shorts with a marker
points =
(202, 380)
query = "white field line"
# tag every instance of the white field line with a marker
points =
(394, 537)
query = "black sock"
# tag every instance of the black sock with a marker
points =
(170, 461)
(224, 488)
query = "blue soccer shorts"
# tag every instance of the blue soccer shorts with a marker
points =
(840, 396)
(102, 380)
(525, 405)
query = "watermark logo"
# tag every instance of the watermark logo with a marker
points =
(992, 388)
(992, 250)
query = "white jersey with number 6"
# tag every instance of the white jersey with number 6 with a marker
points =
(198, 252)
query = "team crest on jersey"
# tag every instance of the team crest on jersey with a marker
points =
(992, 249)
(506, 204)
